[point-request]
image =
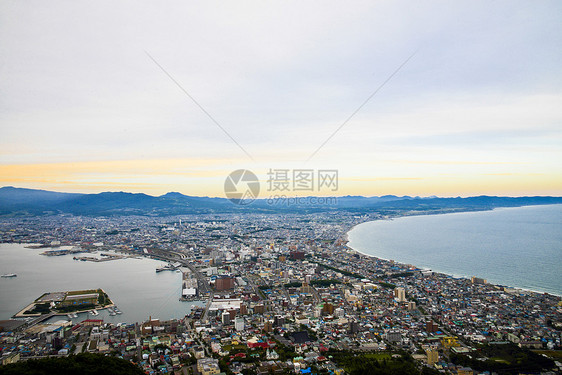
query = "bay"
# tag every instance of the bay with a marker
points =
(519, 247)
(131, 283)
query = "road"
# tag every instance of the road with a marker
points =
(203, 286)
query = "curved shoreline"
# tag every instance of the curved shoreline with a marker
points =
(118, 287)
(446, 273)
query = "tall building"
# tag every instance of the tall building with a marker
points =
(239, 324)
(259, 309)
(279, 321)
(243, 309)
(225, 317)
(353, 327)
(224, 283)
(431, 327)
(400, 294)
(268, 326)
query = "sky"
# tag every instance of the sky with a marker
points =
(448, 98)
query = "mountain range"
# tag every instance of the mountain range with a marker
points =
(31, 202)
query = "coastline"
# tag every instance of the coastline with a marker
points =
(436, 270)
(455, 276)
(117, 279)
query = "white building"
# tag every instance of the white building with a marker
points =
(225, 317)
(239, 324)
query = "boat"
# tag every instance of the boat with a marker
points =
(94, 312)
(117, 310)
(111, 311)
(9, 275)
(69, 316)
(75, 315)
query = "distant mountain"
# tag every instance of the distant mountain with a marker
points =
(29, 202)
(10, 194)
(33, 201)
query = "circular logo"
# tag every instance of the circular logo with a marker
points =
(242, 187)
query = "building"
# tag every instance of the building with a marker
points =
(189, 292)
(80, 299)
(224, 283)
(239, 324)
(151, 326)
(268, 326)
(477, 280)
(243, 309)
(353, 327)
(297, 255)
(464, 371)
(328, 309)
(259, 309)
(10, 358)
(400, 294)
(225, 317)
(305, 288)
(394, 336)
(278, 321)
(431, 326)
(208, 366)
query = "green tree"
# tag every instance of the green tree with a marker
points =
(85, 364)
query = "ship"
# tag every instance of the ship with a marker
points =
(9, 275)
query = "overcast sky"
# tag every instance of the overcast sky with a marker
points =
(477, 109)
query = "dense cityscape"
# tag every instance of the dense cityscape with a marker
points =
(281, 187)
(283, 293)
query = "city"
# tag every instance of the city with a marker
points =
(281, 187)
(285, 294)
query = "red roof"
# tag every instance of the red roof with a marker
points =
(263, 345)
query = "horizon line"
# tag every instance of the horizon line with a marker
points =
(433, 196)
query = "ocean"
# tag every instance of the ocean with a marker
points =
(132, 284)
(518, 247)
